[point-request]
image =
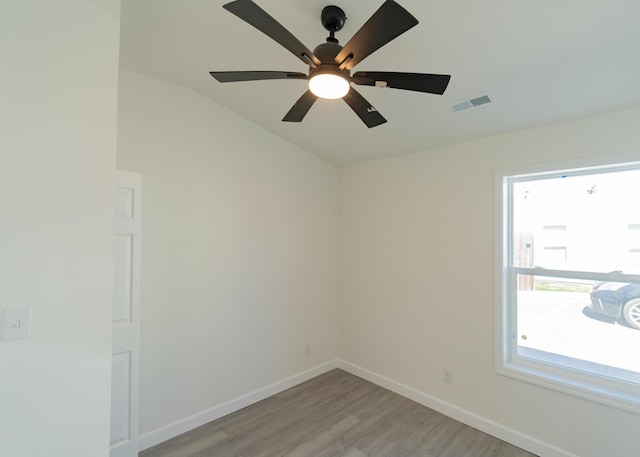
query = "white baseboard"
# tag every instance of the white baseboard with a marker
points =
(181, 426)
(483, 424)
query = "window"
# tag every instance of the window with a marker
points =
(568, 280)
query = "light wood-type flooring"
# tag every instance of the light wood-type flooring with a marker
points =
(336, 414)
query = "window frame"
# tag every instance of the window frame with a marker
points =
(605, 390)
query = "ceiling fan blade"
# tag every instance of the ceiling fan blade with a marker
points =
(300, 109)
(233, 76)
(390, 21)
(369, 115)
(260, 19)
(420, 82)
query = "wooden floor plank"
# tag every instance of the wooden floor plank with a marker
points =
(335, 414)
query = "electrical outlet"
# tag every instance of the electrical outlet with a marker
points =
(307, 350)
(447, 376)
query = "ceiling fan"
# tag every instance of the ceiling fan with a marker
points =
(330, 64)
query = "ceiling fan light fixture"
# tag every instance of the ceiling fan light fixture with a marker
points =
(329, 85)
(330, 64)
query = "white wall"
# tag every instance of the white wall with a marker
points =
(239, 253)
(417, 279)
(58, 93)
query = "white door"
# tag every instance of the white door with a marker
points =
(126, 316)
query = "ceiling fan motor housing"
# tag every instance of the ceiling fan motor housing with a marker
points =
(326, 53)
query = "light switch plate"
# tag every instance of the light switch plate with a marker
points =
(16, 323)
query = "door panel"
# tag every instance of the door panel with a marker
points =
(122, 287)
(121, 426)
(126, 316)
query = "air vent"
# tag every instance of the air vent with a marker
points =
(471, 103)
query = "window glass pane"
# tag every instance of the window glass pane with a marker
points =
(581, 222)
(579, 324)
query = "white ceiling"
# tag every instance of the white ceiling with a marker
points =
(544, 61)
